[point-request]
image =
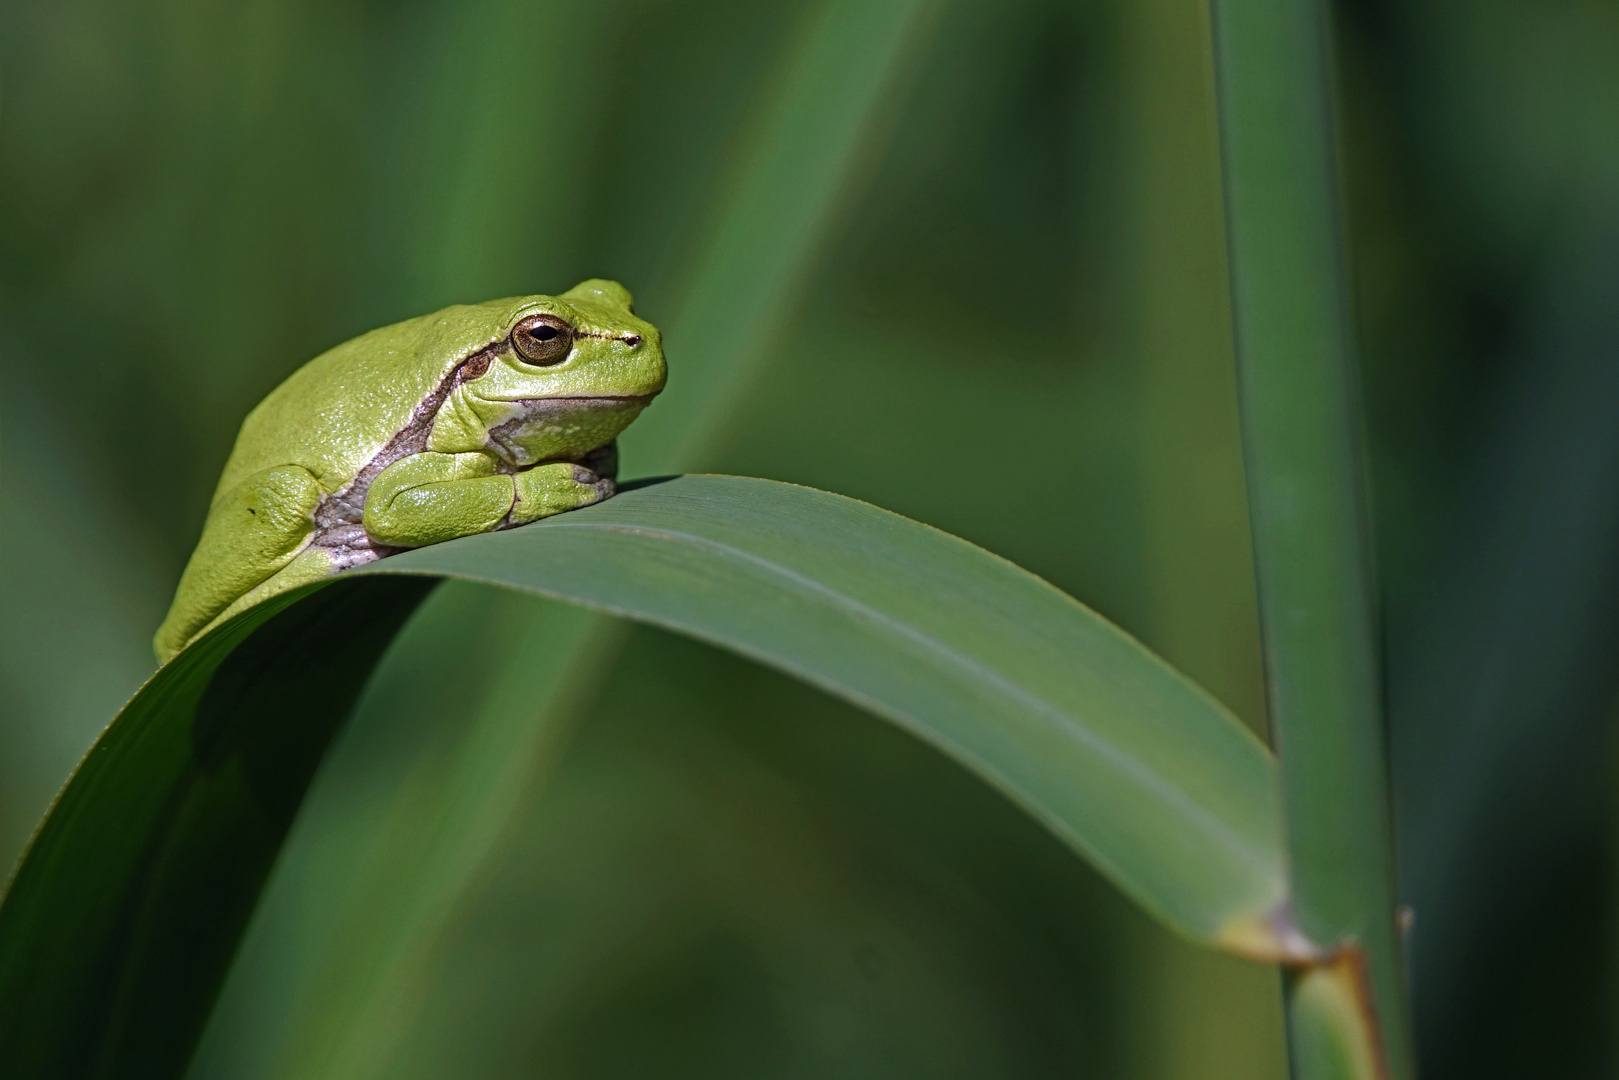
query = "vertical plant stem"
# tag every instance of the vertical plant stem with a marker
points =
(1346, 1008)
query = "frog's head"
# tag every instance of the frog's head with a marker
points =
(566, 376)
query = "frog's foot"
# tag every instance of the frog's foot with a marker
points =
(554, 488)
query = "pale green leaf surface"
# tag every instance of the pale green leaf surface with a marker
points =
(1127, 761)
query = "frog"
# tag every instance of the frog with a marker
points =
(474, 419)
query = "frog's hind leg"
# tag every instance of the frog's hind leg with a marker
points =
(254, 534)
(312, 564)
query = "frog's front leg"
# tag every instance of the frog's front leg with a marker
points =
(428, 498)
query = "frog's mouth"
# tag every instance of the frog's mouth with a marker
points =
(539, 407)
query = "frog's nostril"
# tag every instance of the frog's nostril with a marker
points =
(633, 340)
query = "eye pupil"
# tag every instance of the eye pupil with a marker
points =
(543, 339)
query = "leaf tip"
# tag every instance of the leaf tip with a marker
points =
(1270, 937)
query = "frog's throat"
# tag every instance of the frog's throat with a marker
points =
(339, 517)
(508, 438)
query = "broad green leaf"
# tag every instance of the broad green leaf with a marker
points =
(134, 893)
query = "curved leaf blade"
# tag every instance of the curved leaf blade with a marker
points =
(1126, 760)
(121, 920)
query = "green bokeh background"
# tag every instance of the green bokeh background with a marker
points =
(1011, 322)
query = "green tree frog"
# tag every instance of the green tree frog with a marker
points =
(476, 418)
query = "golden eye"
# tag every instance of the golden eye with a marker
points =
(542, 339)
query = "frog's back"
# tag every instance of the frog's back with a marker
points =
(335, 413)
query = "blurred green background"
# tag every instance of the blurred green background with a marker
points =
(1004, 313)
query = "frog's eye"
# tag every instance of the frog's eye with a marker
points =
(542, 339)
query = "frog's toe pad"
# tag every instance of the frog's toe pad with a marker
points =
(604, 486)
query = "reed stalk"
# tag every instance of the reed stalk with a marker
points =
(1345, 1000)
